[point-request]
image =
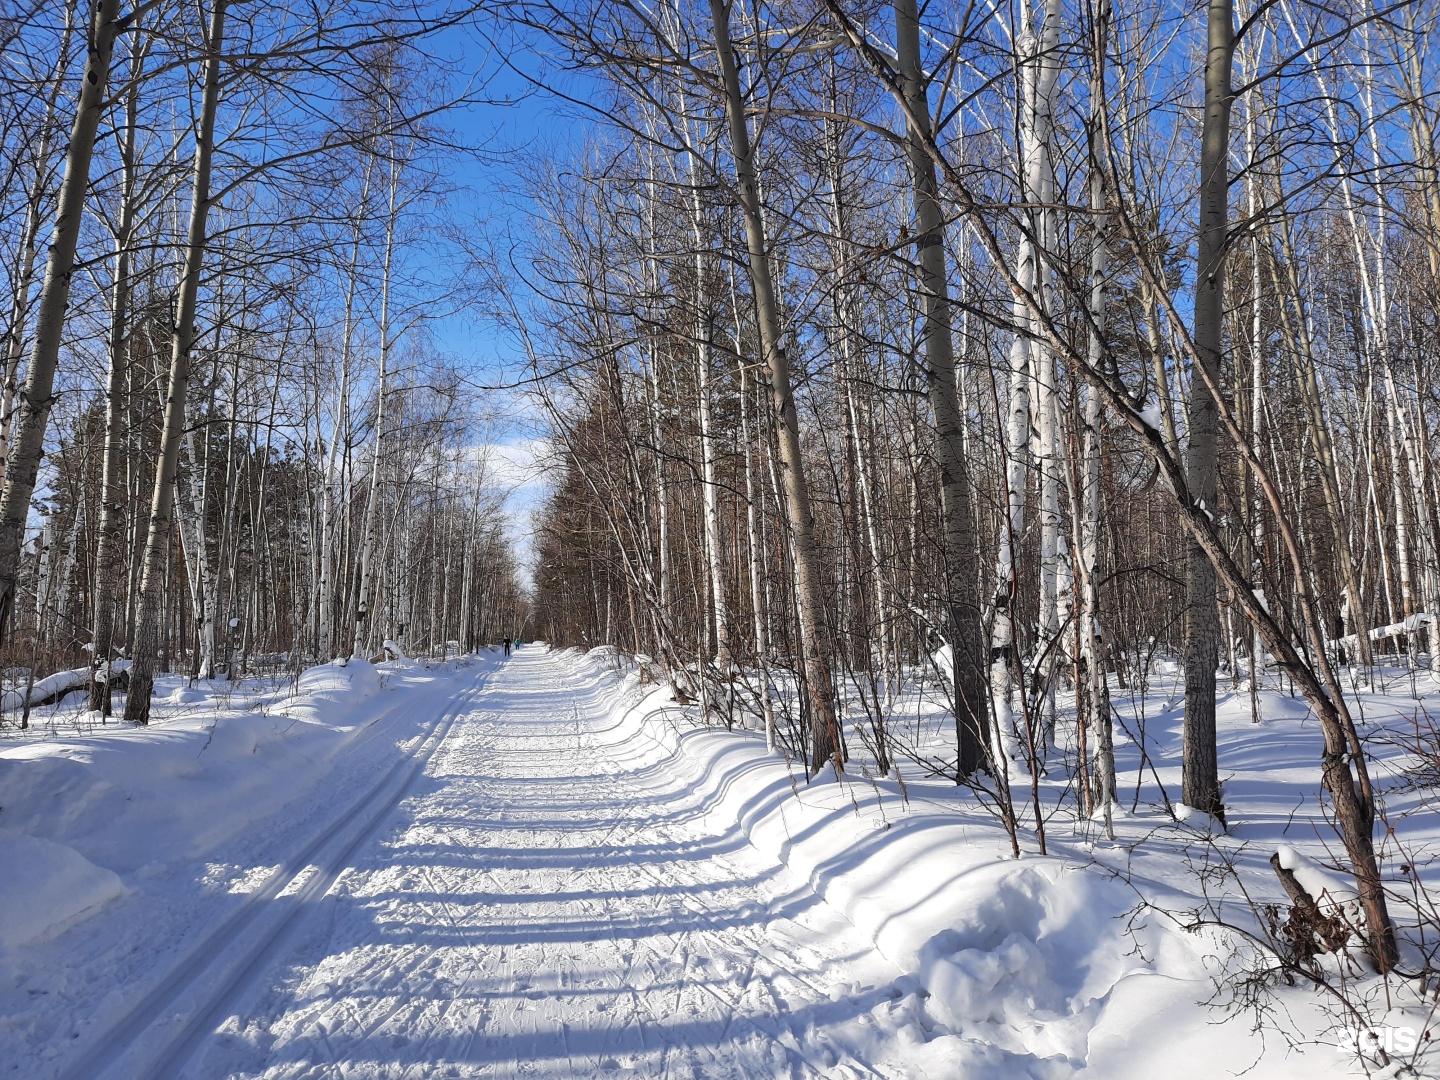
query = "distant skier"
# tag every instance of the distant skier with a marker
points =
(506, 643)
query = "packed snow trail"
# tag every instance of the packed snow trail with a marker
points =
(532, 907)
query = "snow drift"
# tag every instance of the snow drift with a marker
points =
(77, 812)
(1039, 967)
(46, 887)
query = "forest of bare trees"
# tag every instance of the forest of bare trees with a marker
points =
(231, 442)
(1040, 339)
(1015, 344)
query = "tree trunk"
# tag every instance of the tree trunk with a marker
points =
(26, 248)
(961, 566)
(824, 725)
(109, 548)
(704, 337)
(1092, 647)
(1201, 767)
(365, 572)
(38, 397)
(759, 607)
(339, 441)
(191, 490)
(157, 545)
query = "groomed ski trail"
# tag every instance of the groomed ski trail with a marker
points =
(534, 907)
(158, 1033)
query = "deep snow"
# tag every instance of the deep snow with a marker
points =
(543, 868)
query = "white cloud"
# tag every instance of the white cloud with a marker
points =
(517, 468)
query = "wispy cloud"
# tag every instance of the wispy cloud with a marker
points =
(517, 468)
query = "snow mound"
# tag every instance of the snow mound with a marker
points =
(340, 681)
(47, 887)
(1030, 958)
(184, 694)
(119, 797)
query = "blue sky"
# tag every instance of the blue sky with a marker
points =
(518, 121)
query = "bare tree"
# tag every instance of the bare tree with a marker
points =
(137, 701)
(23, 464)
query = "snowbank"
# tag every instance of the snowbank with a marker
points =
(46, 887)
(126, 797)
(130, 856)
(340, 682)
(1019, 954)
(1034, 964)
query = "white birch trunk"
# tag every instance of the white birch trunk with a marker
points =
(27, 444)
(1031, 361)
(365, 570)
(27, 247)
(190, 510)
(44, 575)
(1092, 644)
(1040, 182)
(704, 333)
(759, 603)
(332, 476)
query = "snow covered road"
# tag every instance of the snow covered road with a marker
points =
(532, 907)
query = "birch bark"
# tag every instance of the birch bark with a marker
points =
(758, 601)
(29, 233)
(334, 469)
(961, 566)
(1201, 780)
(366, 565)
(1091, 638)
(704, 348)
(27, 446)
(109, 547)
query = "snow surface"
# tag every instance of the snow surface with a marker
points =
(46, 887)
(540, 867)
(12, 701)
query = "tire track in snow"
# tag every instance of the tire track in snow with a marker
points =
(718, 933)
(632, 819)
(720, 940)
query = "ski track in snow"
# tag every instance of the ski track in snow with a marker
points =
(512, 901)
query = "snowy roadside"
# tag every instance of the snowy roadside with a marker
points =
(1044, 967)
(122, 848)
(145, 862)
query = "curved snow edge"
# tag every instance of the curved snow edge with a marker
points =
(48, 887)
(1020, 956)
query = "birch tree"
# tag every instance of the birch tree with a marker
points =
(23, 462)
(1201, 772)
(825, 732)
(960, 563)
